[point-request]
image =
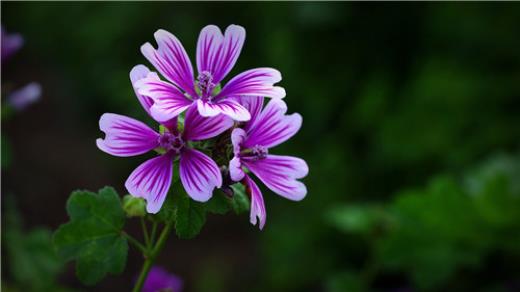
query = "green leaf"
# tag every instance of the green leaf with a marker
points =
(219, 203)
(345, 281)
(190, 215)
(31, 259)
(93, 236)
(240, 202)
(169, 208)
(356, 218)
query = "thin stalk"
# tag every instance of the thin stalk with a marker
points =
(150, 259)
(145, 233)
(135, 242)
(154, 233)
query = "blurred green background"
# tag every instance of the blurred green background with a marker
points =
(411, 132)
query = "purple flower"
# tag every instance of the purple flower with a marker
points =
(159, 280)
(125, 136)
(267, 128)
(216, 55)
(25, 96)
(10, 44)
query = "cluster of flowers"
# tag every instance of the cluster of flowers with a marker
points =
(191, 110)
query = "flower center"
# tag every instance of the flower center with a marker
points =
(257, 152)
(171, 142)
(205, 84)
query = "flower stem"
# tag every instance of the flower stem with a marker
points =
(145, 233)
(135, 242)
(150, 258)
(154, 231)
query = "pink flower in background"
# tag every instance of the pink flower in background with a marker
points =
(216, 56)
(199, 174)
(159, 280)
(266, 129)
(10, 44)
(21, 98)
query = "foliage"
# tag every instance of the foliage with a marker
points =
(93, 236)
(432, 234)
(32, 261)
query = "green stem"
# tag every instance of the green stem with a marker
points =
(150, 258)
(154, 232)
(135, 242)
(145, 233)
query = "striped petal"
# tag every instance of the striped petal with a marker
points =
(227, 107)
(151, 181)
(125, 136)
(197, 127)
(171, 60)
(235, 169)
(199, 175)
(169, 101)
(137, 73)
(280, 174)
(257, 203)
(235, 165)
(254, 105)
(273, 127)
(254, 82)
(217, 53)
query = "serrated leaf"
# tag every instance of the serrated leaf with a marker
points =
(190, 216)
(240, 202)
(93, 236)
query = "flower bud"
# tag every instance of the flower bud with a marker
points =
(134, 207)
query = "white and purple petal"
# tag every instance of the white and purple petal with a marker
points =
(168, 100)
(171, 60)
(227, 107)
(125, 136)
(235, 165)
(199, 175)
(238, 136)
(197, 127)
(151, 181)
(273, 127)
(254, 82)
(254, 105)
(280, 174)
(137, 73)
(257, 203)
(235, 169)
(217, 53)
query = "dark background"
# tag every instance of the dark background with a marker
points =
(395, 97)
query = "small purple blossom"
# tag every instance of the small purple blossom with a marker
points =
(151, 180)
(10, 44)
(21, 98)
(216, 56)
(266, 129)
(159, 280)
